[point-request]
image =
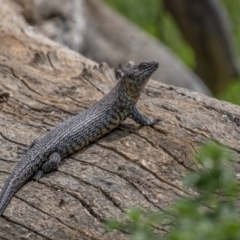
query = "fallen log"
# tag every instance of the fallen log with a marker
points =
(42, 83)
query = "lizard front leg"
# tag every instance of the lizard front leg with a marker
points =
(141, 119)
(52, 164)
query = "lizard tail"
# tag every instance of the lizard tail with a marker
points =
(21, 173)
(24, 171)
(10, 188)
(5, 197)
(12, 185)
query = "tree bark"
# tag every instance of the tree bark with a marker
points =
(42, 83)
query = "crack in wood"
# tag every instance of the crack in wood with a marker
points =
(26, 105)
(26, 123)
(35, 115)
(7, 160)
(131, 183)
(54, 107)
(37, 208)
(108, 197)
(78, 199)
(143, 137)
(85, 70)
(12, 141)
(42, 110)
(75, 100)
(56, 218)
(23, 226)
(5, 172)
(196, 133)
(143, 167)
(24, 83)
(50, 60)
(175, 158)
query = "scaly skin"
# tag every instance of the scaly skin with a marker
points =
(47, 153)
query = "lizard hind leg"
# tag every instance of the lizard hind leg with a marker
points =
(50, 165)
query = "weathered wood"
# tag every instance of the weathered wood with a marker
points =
(131, 166)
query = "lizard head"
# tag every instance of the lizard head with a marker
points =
(136, 78)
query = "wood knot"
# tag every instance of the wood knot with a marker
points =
(4, 97)
(40, 60)
(103, 67)
(86, 72)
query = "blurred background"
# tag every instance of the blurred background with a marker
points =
(197, 42)
(200, 32)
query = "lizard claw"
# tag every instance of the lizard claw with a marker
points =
(154, 121)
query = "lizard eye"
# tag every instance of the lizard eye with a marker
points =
(143, 65)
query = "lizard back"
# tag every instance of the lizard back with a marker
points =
(46, 154)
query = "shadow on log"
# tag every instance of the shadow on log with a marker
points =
(42, 83)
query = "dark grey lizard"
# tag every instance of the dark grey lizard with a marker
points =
(47, 153)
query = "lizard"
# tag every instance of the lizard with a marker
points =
(48, 153)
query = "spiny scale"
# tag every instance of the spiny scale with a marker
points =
(47, 153)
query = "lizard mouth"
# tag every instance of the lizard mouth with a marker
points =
(147, 72)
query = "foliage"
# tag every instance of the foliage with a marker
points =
(232, 93)
(211, 214)
(233, 7)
